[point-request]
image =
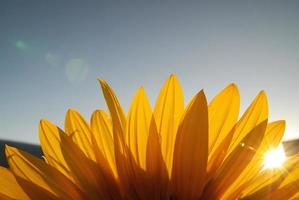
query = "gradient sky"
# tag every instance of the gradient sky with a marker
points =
(51, 53)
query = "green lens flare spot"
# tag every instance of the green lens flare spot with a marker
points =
(20, 44)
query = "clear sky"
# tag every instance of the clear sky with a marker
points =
(51, 53)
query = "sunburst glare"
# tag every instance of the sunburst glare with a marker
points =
(274, 158)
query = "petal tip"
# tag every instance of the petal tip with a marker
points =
(141, 88)
(173, 78)
(172, 75)
(8, 150)
(71, 111)
(233, 86)
(283, 122)
(263, 94)
(201, 95)
(43, 122)
(102, 82)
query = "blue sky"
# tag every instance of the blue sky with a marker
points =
(51, 53)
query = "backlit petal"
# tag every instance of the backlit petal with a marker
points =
(77, 127)
(272, 138)
(139, 119)
(38, 172)
(102, 130)
(94, 180)
(10, 189)
(191, 150)
(256, 113)
(168, 109)
(223, 114)
(236, 162)
(50, 140)
(155, 165)
(269, 180)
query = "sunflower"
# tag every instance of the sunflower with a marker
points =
(173, 152)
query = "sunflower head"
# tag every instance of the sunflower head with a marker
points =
(201, 150)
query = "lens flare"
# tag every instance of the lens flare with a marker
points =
(52, 59)
(20, 44)
(274, 158)
(76, 70)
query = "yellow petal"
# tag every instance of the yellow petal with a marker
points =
(291, 177)
(223, 114)
(133, 161)
(216, 159)
(102, 130)
(255, 114)
(139, 119)
(236, 162)
(35, 191)
(10, 189)
(167, 112)
(116, 111)
(122, 155)
(155, 165)
(286, 192)
(55, 151)
(272, 138)
(191, 150)
(269, 180)
(82, 135)
(94, 180)
(38, 172)
(76, 126)
(126, 166)
(50, 140)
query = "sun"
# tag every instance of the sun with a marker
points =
(274, 158)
